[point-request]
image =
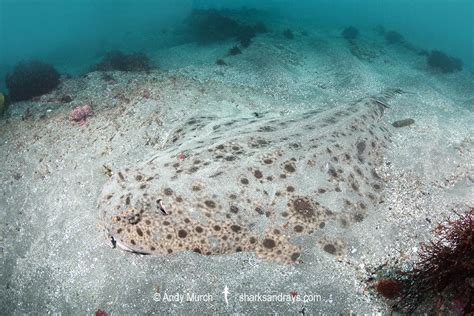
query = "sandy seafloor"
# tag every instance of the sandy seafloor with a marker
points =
(57, 259)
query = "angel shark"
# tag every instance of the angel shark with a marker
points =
(225, 185)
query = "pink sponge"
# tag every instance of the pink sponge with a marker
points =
(80, 113)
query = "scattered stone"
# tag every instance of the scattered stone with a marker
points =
(117, 60)
(288, 34)
(393, 37)
(234, 51)
(2, 104)
(350, 33)
(65, 99)
(27, 115)
(403, 123)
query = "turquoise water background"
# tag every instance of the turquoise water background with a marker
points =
(74, 34)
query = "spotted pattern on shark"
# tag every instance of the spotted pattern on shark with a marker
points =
(251, 184)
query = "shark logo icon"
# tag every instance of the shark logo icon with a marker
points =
(226, 292)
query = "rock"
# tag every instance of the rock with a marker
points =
(65, 99)
(30, 79)
(403, 123)
(2, 103)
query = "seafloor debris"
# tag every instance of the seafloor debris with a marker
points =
(288, 34)
(100, 312)
(350, 33)
(65, 99)
(2, 104)
(210, 26)
(117, 60)
(393, 37)
(403, 123)
(234, 51)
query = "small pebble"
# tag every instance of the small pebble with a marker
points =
(403, 123)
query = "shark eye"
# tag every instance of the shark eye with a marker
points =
(133, 218)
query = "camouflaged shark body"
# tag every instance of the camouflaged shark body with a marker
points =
(251, 184)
